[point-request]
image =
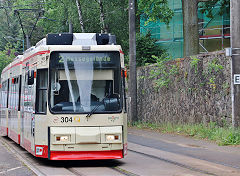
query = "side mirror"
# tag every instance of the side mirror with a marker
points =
(56, 87)
(31, 77)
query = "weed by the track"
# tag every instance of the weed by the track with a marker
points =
(222, 135)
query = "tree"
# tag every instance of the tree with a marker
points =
(83, 14)
(104, 28)
(146, 49)
(154, 10)
(190, 27)
(190, 22)
(7, 55)
(9, 27)
(80, 15)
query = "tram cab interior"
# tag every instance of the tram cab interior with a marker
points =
(99, 94)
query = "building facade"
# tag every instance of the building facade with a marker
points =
(214, 32)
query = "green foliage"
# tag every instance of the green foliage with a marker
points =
(116, 18)
(58, 14)
(9, 27)
(194, 63)
(231, 138)
(6, 56)
(154, 10)
(213, 66)
(163, 71)
(146, 48)
(212, 84)
(222, 135)
(207, 7)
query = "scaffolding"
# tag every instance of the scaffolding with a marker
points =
(214, 33)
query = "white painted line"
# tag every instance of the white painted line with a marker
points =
(12, 169)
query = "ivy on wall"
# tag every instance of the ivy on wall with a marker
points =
(165, 72)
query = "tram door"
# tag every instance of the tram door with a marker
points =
(28, 111)
(23, 80)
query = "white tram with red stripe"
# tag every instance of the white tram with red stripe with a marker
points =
(64, 99)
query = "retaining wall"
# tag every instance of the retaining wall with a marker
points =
(198, 90)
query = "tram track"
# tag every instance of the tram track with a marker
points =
(124, 172)
(174, 163)
(116, 169)
(10, 145)
(187, 162)
(74, 171)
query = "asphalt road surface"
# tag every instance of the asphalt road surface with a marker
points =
(149, 153)
(10, 165)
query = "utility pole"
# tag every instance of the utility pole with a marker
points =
(235, 45)
(132, 62)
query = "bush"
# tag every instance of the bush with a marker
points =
(6, 56)
(222, 135)
(146, 48)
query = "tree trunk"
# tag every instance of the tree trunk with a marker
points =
(7, 15)
(190, 27)
(102, 18)
(80, 15)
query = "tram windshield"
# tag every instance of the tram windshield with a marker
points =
(85, 82)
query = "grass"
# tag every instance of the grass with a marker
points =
(221, 135)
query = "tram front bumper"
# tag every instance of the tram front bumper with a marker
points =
(86, 138)
(94, 142)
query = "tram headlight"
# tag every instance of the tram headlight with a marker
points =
(111, 137)
(62, 138)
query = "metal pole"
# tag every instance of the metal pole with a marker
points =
(23, 45)
(235, 44)
(28, 41)
(70, 26)
(132, 62)
(28, 36)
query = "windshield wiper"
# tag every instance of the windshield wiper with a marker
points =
(96, 107)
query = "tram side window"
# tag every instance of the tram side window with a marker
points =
(41, 97)
(14, 94)
(4, 94)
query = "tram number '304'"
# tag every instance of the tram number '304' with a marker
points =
(66, 119)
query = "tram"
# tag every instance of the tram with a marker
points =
(64, 99)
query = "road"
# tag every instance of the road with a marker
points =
(149, 153)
